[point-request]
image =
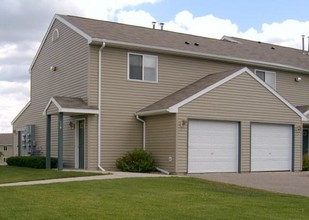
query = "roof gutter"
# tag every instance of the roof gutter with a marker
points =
(99, 106)
(97, 41)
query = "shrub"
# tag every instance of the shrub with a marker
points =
(37, 162)
(137, 160)
(306, 162)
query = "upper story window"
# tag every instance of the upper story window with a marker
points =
(142, 67)
(268, 77)
(5, 148)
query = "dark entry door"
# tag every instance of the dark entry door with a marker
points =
(81, 144)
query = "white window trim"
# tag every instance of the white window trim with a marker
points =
(266, 71)
(142, 80)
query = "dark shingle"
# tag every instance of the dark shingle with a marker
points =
(245, 49)
(188, 91)
(6, 139)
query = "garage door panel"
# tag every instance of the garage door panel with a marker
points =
(213, 146)
(271, 147)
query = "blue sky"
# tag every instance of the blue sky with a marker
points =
(23, 24)
(245, 13)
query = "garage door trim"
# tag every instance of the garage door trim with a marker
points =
(238, 147)
(289, 164)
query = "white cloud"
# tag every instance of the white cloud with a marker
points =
(140, 18)
(13, 96)
(287, 33)
(106, 9)
(208, 26)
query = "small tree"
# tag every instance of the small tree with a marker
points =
(1, 154)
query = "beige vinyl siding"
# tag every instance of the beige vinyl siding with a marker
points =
(121, 98)
(69, 54)
(243, 100)
(6, 153)
(52, 109)
(92, 142)
(297, 93)
(161, 140)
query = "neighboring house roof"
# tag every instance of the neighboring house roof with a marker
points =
(304, 109)
(6, 139)
(71, 105)
(228, 48)
(173, 102)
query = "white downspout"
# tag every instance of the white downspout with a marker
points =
(144, 130)
(99, 105)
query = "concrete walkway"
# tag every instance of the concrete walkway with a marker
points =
(111, 175)
(283, 182)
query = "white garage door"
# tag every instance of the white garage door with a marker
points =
(213, 146)
(271, 147)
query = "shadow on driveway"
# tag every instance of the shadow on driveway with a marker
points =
(283, 182)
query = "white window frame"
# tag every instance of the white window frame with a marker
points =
(142, 80)
(267, 72)
(5, 148)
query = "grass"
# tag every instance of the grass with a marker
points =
(10, 174)
(147, 198)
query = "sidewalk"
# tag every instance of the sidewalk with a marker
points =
(110, 175)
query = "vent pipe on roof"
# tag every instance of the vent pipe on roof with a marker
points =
(303, 43)
(162, 25)
(154, 25)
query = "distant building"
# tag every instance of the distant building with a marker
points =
(6, 147)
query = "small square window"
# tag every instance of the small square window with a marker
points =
(268, 77)
(143, 67)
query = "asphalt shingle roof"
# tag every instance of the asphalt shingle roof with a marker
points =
(188, 91)
(6, 139)
(244, 49)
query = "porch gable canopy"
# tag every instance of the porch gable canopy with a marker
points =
(69, 106)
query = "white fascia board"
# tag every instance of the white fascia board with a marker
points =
(52, 100)
(74, 28)
(201, 55)
(204, 91)
(78, 110)
(49, 29)
(306, 113)
(21, 112)
(154, 112)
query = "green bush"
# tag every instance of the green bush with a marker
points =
(137, 160)
(306, 162)
(37, 162)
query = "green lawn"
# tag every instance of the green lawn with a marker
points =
(147, 198)
(10, 174)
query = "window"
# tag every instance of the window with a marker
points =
(143, 67)
(268, 77)
(5, 148)
(4, 159)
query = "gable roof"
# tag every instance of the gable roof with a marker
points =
(71, 105)
(173, 102)
(6, 139)
(228, 49)
(304, 109)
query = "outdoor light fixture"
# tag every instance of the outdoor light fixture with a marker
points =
(297, 79)
(53, 68)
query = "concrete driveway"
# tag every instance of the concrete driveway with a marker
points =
(283, 182)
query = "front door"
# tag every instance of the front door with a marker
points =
(305, 141)
(80, 144)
